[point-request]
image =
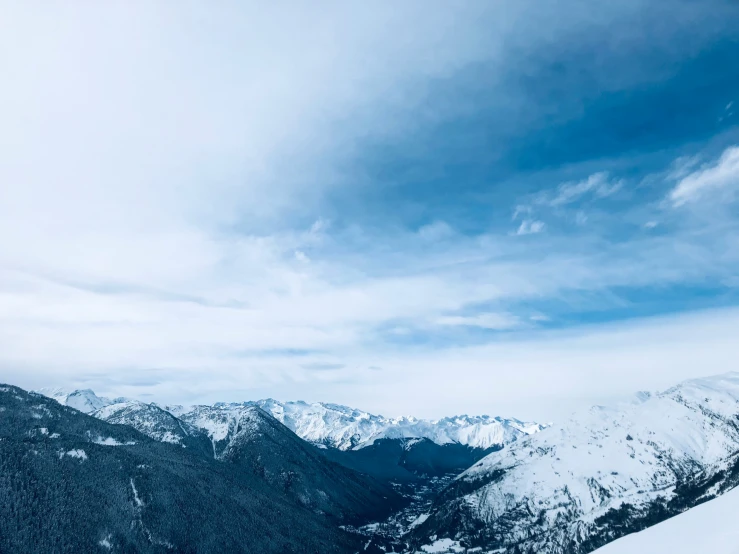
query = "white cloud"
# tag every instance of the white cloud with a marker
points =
(301, 256)
(438, 230)
(599, 184)
(485, 321)
(717, 177)
(160, 169)
(521, 209)
(544, 377)
(530, 227)
(164, 175)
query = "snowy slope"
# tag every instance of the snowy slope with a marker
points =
(712, 528)
(605, 472)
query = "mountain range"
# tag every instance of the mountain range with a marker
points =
(323, 424)
(355, 481)
(72, 483)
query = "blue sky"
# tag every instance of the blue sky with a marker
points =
(430, 208)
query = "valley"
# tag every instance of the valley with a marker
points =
(390, 535)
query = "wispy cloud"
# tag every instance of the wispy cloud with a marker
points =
(722, 176)
(438, 230)
(599, 185)
(530, 227)
(554, 202)
(484, 321)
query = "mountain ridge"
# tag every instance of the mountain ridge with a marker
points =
(601, 474)
(337, 426)
(569, 488)
(249, 437)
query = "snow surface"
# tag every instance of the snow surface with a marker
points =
(443, 545)
(418, 521)
(110, 441)
(76, 453)
(711, 528)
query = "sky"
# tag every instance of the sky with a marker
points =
(425, 208)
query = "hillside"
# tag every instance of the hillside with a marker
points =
(72, 483)
(602, 474)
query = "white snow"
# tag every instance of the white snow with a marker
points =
(139, 503)
(711, 528)
(110, 441)
(443, 545)
(77, 453)
(418, 521)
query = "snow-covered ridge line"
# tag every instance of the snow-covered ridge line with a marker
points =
(320, 423)
(344, 428)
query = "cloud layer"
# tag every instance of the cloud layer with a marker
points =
(249, 201)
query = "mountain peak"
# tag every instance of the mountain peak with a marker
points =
(84, 400)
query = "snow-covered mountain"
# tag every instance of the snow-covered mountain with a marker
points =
(249, 438)
(254, 440)
(604, 473)
(149, 419)
(83, 400)
(323, 424)
(711, 528)
(71, 483)
(566, 489)
(345, 428)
